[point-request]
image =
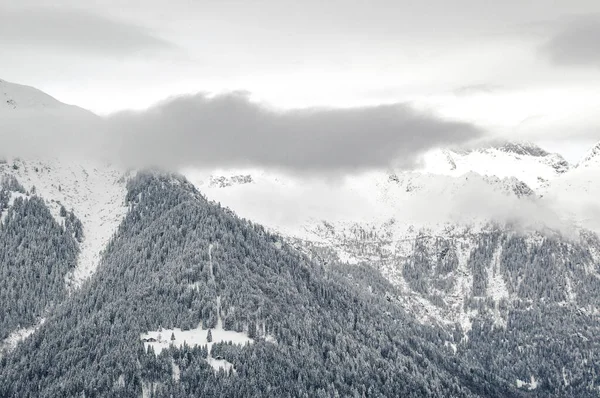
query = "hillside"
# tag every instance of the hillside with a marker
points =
(178, 261)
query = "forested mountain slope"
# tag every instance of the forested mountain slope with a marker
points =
(36, 254)
(178, 261)
(503, 268)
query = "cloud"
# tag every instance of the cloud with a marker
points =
(232, 131)
(75, 30)
(576, 43)
(475, 89)
(228, 131)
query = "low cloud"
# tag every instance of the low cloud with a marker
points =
(576, 43)
(229, 131)
(474, 89)
(76, 31)
(232, 131)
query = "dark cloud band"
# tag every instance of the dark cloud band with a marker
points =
(230, 130)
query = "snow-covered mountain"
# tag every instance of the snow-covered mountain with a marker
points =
(17, 97)
(405, 199)
(576, 192)
(34, 124)
(483, 247)
(524, 161)
(94, 190)
(377, 217)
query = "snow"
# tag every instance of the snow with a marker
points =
(376, 215)
(193, 337)
(535, 171)
(16, 96)
(176, 372)
(218, 364)
(531, 385)
(574, 195)
(591, 158)
(11, 201)
(451, 345)
(372, 199)
(95, 192)
(496, 288)
(19, 335)
(149, 389)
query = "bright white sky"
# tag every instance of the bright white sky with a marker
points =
(524, 69)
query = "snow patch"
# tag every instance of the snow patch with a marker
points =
(163, 339)
(19, 335)
(531, 385)
(175, 371)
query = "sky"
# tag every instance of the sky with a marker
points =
(527, 70)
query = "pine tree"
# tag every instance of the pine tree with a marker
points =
(209, 336)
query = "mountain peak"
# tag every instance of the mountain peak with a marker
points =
(16, 96)
(592, 156)
(523, 148)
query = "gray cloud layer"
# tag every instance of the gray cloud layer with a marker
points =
(577, 43)
(230, 130)
(74, 30)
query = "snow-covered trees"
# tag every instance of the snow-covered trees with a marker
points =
(331, 337)
(35, 255)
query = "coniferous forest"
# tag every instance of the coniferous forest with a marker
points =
(329, 336)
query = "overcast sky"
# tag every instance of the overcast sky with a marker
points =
(526, 69)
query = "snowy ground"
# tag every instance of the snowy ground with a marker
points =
(532, 384)
(195, 337)
(17, 336)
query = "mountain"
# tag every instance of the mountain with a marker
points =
(17, 97)
(576, 191)
(480, 254)
(183, 267)
(525, 161)
(466, 278)
(34, 124)
(592, 158)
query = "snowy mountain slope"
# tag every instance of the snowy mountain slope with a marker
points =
(95, 192)
(526, 162)
(468, 246)
(34, 124)
(332, 337)
(17, 97)
(31, 123)
(576, 192)
(379, 217)
(591, 159)
(484, 257)
(295, 205)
